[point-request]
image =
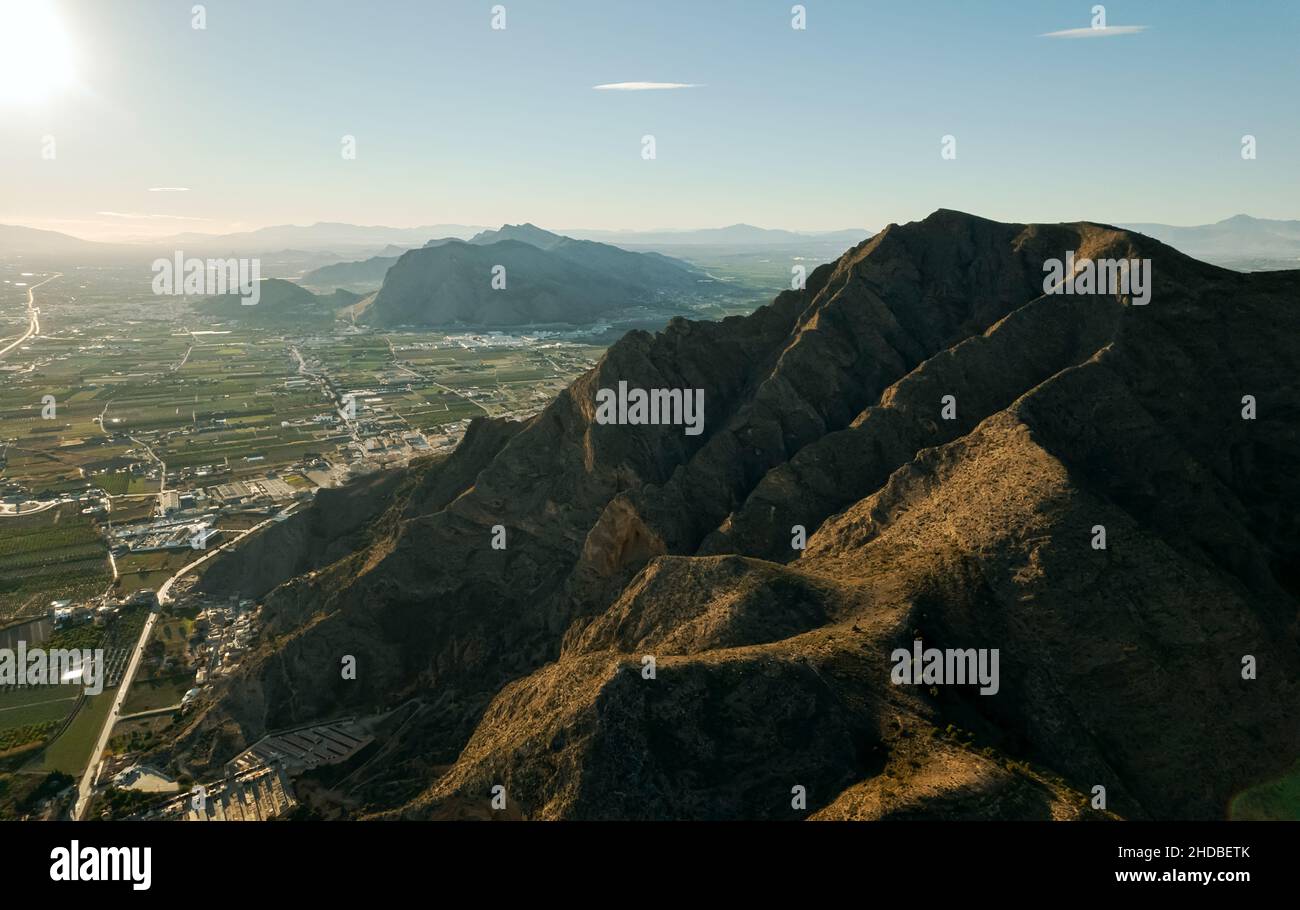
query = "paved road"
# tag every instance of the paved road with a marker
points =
(154, 712)
(33, 315)
(162, 465)
(114, 715)
(349, 423)
(92, 768)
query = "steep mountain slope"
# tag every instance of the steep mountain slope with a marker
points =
(649, 270)
(540, 277)
(367, 273)
(1120, 667)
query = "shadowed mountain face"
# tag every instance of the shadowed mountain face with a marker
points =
(964, 522)
(521, 275)
(280, 302)
(649, 271)
(368, 273)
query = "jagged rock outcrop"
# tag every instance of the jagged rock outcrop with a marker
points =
(340, 524)
(1119, 667)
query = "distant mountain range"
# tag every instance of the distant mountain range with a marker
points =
(1242, 242)
(581, 247)
(26, 241)
(364, 274)
(390, 241)
(17, 238)
(652, 269)
(340, 236)
(548, 278)
(1235, 240)
(332, 236)
(732, 235)
(280, 303)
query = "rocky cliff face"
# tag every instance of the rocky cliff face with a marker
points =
(965, 522)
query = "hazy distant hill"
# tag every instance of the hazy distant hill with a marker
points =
(644, 264)
(651, 269)
(1234, 241)
(549, 278)
(281, 302)
(367, 273)
(733, 235)
(740, 255)
(26, 241)
(321, 236)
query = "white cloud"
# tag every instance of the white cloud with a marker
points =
(1106, 32)
(642, 86)
(169, 189)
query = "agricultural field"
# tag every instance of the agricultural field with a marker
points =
(117, 369)
(431, 380)
(36, 704)
(70, 751)
(38, 713)
(124, 396)
(149, 694)
(164, 675)
(29, 715)
(56, 554)
(138, 571)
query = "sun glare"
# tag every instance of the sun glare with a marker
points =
(35, 54)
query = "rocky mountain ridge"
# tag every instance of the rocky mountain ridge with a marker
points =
(521, 275)
(975, 528)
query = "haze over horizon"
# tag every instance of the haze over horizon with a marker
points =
(502, 410)
(832, 127)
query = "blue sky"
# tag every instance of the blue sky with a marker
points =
(835, 126)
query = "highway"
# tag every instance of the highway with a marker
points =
(33, 315)
(88, 776)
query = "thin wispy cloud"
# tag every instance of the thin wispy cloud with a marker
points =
(146, 215)
(169, 189)
(643, 86)
(1102, 32)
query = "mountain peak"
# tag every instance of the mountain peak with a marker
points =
(526, 232)
(967, 529)
(552, 279)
